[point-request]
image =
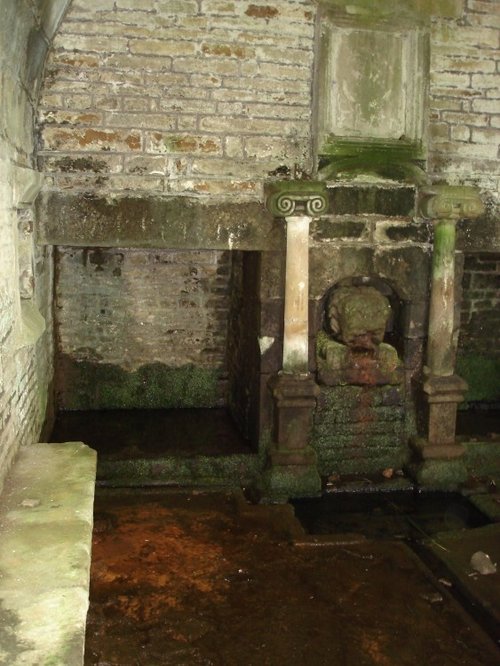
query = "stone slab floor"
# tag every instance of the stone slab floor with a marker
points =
(208, 579)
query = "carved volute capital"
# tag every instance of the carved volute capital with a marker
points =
(296, 197)
(449, 202)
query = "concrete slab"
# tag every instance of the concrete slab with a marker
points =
(455, 549)
(46, 520)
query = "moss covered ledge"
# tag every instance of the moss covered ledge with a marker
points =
(45, 546)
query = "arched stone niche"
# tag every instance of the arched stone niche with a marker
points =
(404, 271)
(361, 318)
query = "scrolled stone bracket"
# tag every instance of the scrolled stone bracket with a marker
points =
(449, 202)
(291, 197)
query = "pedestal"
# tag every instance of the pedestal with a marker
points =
(438, 456)
(292, 464)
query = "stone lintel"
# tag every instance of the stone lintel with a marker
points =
(404, 10)
(173, 222)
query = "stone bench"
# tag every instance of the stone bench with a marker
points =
(46, 518)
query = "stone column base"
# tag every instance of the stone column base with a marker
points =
(439, 474)
(438, 458)
(443, 395)
(292, 465)
(278, 484)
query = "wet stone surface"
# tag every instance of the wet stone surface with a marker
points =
(143, 433)
(208, 579)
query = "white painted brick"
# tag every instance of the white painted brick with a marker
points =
(150, 121)
(461, 133)
(176, 7)
(486, 136)
(157, 47)
(233, 147)
(93, 43)
(450, 79)
(477, 119)
(485, 81)
(136, 5)
(486, 106)
(206, 66)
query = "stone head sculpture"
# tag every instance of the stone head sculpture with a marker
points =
(357, 316)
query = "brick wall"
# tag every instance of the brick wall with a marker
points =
(25, 367)
(209, 96)
(206, 98)
(137, 308)
(164, 96)
(465, 97)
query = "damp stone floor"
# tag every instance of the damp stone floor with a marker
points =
(194, 578)
(190, 577)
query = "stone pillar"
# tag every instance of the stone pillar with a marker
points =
(296, 320)
(439, 453)
(291, 466)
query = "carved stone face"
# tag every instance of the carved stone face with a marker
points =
(358, 316)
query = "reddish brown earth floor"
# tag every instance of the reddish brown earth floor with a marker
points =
(197, 579)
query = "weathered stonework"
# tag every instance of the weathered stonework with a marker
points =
(155, 222)
(443, 390)
(140, 103)
(361, 429)
(167, 309)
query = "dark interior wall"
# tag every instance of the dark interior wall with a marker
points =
(243, 344)
(127, 318)
(478, 358)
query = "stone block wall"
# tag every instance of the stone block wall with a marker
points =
(373, 233)
(360, 429)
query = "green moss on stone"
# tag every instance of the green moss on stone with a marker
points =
(439, 474)
(89, 385)
(482, 374)
(400, 161)
(279, 483)
(209, 471)
(360, 430)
